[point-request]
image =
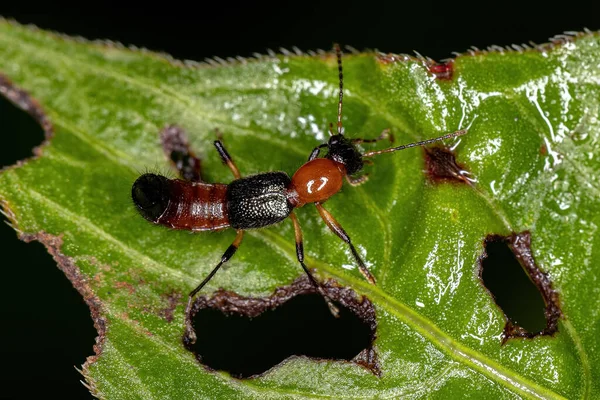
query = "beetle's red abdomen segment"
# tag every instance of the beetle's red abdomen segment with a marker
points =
(317, 180)
(196, 206)
(179, 204)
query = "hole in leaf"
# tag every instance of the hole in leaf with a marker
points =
(522, 291)
(42, 309)
(512, 289)
(20, 133)
(248, 336)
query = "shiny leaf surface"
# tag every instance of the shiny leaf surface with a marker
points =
(531, 152)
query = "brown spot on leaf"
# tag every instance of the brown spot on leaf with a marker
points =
(54, 244)
(368, 359)
(176, 146)
(445, 71)
(172, 298)
(442, 71)
(96, 263)
(442, 166)
(230, 303)
(520, 244)
(124, 285)
(99, 278)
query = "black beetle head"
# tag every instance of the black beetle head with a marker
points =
(343, 151)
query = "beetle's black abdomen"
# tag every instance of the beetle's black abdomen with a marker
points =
(258, 200)
(150, 194)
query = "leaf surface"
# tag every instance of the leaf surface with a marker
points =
(532, 150)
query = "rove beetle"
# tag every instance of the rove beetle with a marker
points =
(266, 198)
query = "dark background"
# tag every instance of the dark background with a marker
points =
(46, 330)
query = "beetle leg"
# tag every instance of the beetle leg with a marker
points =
(357, 181)
(338, 230)
(315, 153)
(300, 255)
(227, 159)
(226, 257)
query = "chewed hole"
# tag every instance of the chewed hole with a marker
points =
(51, 329)
(248, 336)
(513, 291)
(20, 133)
(519, 286)
(246, 346)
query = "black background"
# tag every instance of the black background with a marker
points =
(46, 329)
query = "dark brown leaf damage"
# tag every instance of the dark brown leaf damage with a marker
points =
(176, 146)
(441, 166)
(172, 298)
(442, 71)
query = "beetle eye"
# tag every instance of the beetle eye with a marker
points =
(335, 139)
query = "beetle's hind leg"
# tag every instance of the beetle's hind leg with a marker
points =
(190, 334)
(300, 255)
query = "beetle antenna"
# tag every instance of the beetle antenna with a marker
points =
(421, 143)
(338, 52)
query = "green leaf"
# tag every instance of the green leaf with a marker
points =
(532, 147)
